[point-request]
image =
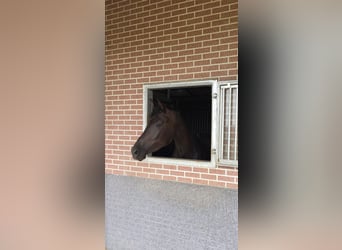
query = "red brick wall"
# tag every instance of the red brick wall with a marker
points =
(156, 41)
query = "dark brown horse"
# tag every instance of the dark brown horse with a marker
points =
(166, 126)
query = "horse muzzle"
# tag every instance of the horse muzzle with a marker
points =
(138, 153)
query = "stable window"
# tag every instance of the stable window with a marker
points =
(196, 101)
(228, 123)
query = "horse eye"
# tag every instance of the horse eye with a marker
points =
(159, 123)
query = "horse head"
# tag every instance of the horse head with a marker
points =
(159, 132)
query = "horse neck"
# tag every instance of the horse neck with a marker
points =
(183, 139)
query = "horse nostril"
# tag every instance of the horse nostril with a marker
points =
(135, 152)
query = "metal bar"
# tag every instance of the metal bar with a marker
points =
(236, 121)
(222, 112)
(229, 119)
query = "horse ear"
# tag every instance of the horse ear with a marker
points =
(155, 103)
(159, 105)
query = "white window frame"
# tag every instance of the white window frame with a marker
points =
(214, 108)
(222, 86)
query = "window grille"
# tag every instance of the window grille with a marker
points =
(228, 149)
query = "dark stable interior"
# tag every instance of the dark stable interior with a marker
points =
(194, 105)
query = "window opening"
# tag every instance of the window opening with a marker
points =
(194, 107)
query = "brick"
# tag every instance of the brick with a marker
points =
(171, 43)
(217, 184)
(233, 72)
(170, 66)
(202, 75)
(195, 8)
(178, 24)
(218, 73)
(186, 52)
(149, 19)
(149, 170)
(228, 53)
(171, 31)
(226, 178)
(210, 55)
(192, 175)
(186, 4)
(219, 35)
(169, 178)
(202, 25)
(228, 66)
(233, 32)
(184, 168)
(202, 13)
(157, 21)
(219, 60)
(200, 170)
(208, 176)
(185, 77)
(163, 72)
(157, 67)
(171, 20)
(130, 173)
(217, 171)
(163, 15)
(163, 171)
(149, 74)
(186, 41)
(194, 45)
(219, 22)
(233, 59)
(232, 173)
(185, 64)
(211, 30)
(210, 68)
(193, 70)
(161, 50)
(186, 16)
(229, 40)
(233, 19)
(156, 79)
(176, 173)
(233, 6)
(194, 21)
(202, 50)
(108, 171)
(200, 181)
(185, 180)
(194, 33)
(232, 186)
(194, 58)
(139, 174)
(171, 78)
(117, 172)
(163, 27)
(163, 4)
(177, 71)
(155, 176)
(163, 38)
(212, 5)
(211, 18)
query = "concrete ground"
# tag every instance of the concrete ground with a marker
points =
(152, 214)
